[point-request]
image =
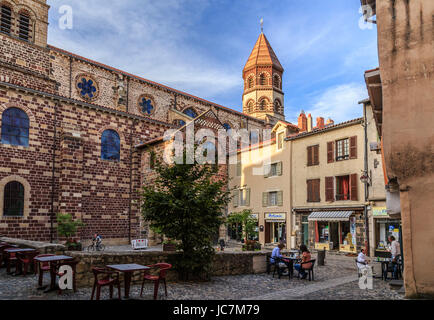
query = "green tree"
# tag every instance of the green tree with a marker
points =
(66, 226)
(186, 202)
(248, 224)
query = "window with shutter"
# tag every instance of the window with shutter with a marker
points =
(330, 152)
(353, 147)
(279, 168)
(329, 188)
(6, 19)
(353, 187)
(235, 198)
(313, 191)
(265, 199)
(247, 202)
(315, 155)
(280, 198)
(24, 27)
(309, 156)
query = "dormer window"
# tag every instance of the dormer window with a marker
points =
(24, 27)
(6, 19)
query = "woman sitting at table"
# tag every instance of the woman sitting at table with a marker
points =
(306, 256)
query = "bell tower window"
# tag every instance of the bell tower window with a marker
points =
(6, 19)
(24, 27)
(262, 80)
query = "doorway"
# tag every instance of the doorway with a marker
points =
(275, 232)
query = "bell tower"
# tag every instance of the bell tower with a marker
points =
(262, 74)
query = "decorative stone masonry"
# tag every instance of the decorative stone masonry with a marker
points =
(224, 263)
(42, 247)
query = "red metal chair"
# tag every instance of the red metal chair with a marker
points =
(3, 255)
(41, 267)
(111, 278)
(73, 265)
(24, 259)
(163, 267)
(11, 258)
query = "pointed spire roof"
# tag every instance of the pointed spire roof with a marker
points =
(263, 54)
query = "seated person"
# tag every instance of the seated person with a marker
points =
(362, 260)
(276, 253)
(306, 256)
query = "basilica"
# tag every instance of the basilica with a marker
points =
(73, 130)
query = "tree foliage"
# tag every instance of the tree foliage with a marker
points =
(66, 226)
(248, 224)
(186, 202)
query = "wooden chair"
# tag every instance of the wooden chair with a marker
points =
(110, 279)
(162, 267)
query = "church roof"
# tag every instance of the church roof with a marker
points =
(263, 54)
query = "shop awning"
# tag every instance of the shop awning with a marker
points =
(330, 216)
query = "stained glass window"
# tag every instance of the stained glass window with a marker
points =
(227, 126)
(14, 199)
(110, 145)
(190, 112)
(15, 127)
(146, 106)
(87, 88)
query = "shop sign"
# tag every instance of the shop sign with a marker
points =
(275, 216)
(379, 212)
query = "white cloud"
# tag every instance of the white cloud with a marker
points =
(150, 41)
(339, 103)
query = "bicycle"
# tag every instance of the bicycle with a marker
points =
(96, 247)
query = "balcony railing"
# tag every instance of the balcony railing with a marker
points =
(344, 196)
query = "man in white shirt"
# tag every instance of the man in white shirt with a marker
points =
(395, 248)
(362, 260)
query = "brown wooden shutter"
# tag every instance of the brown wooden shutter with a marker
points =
(308, 192)
(248, 197)
(236, 198)
(315, 155)
(353, 147)
(329, 188)
(280, 198)
(316, 190)
(279, 168)
(353, 187)
(309, 156)
(330, 151)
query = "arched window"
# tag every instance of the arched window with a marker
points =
(250, 82)
(227, 126)
(277, 107)
(110, 145)
(250, 106)
(190, 112)
(15, 127)
(276, 81)
(6, 19)
(13, 199)
(263, 105)
(24, 26)
(262, 79)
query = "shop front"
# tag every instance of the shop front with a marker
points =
(275, 227)
(384, 227)
(335, 230)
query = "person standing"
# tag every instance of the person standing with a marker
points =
(395, 250)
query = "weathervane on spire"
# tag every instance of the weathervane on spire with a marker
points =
(262, 24)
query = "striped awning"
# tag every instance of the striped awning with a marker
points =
(330, 215)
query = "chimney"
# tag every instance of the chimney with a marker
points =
(309, 122)
(320, 122)
(302, 121)
(330, 122)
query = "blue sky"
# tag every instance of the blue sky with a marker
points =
(201, 46)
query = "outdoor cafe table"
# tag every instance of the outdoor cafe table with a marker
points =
(8, 253)
(291, 260)
(52, 260)
(128, 270)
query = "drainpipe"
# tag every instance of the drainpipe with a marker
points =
(53, 174)
(365, 120)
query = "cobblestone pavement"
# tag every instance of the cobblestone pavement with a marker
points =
(336, 280)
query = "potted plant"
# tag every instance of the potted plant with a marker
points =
(169, 245)
(67, 227)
